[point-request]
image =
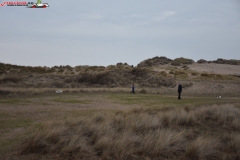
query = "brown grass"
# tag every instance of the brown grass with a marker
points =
(158, 133)
(203, 148)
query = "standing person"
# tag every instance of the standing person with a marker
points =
(179, 90)
(133, 89)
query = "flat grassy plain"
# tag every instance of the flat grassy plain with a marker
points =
(27, 116)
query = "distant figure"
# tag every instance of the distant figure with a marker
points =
(179, 91)
(132, 66)
(133, 89)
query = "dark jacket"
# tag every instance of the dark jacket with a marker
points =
(179, 88)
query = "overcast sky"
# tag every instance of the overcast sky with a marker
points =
(105, 32)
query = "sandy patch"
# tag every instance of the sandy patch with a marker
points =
(216, 68)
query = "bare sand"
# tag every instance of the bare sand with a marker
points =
(216, 68)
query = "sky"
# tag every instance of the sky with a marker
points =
(105, 32)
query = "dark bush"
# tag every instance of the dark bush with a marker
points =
(70, 79)
(139, 72)
(14, 79)
(225, 61)
(154, 61)
(205, 75)
(175, 63)
(57, 84)
(202, 61)
(179, 61)
(105, 78)
(4, 92)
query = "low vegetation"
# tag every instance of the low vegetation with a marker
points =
(160, 133)
(181, 61)
(224, 61)
(154, 61)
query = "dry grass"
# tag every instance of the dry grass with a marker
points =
(159, 133)
(203, 148)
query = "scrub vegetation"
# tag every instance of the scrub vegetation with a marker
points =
(159, 133)
(119, 126)
(96, 117)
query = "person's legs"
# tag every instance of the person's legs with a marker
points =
(179, 95)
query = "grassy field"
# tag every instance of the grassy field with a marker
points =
(119, 126)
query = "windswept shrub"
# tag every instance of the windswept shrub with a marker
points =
(143, 91)
(4, 92)
(205, 75)
(175, 63)
(194, 73)
(179, 61)
(225, 61)
(139, 72)
(154, 61)
(14, 79)
(202, 61)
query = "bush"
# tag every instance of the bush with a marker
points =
(174, 63)
(202, 61)
(143, 91)
(154, 61)
(182, 60)
(224, 61)
(139, 72)
(194, 73)
(179, 72)
(14, 79)
(163, 73)
(187, 84)
(205, 75)
(4, 92)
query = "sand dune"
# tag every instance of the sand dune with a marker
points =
(216, 68)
